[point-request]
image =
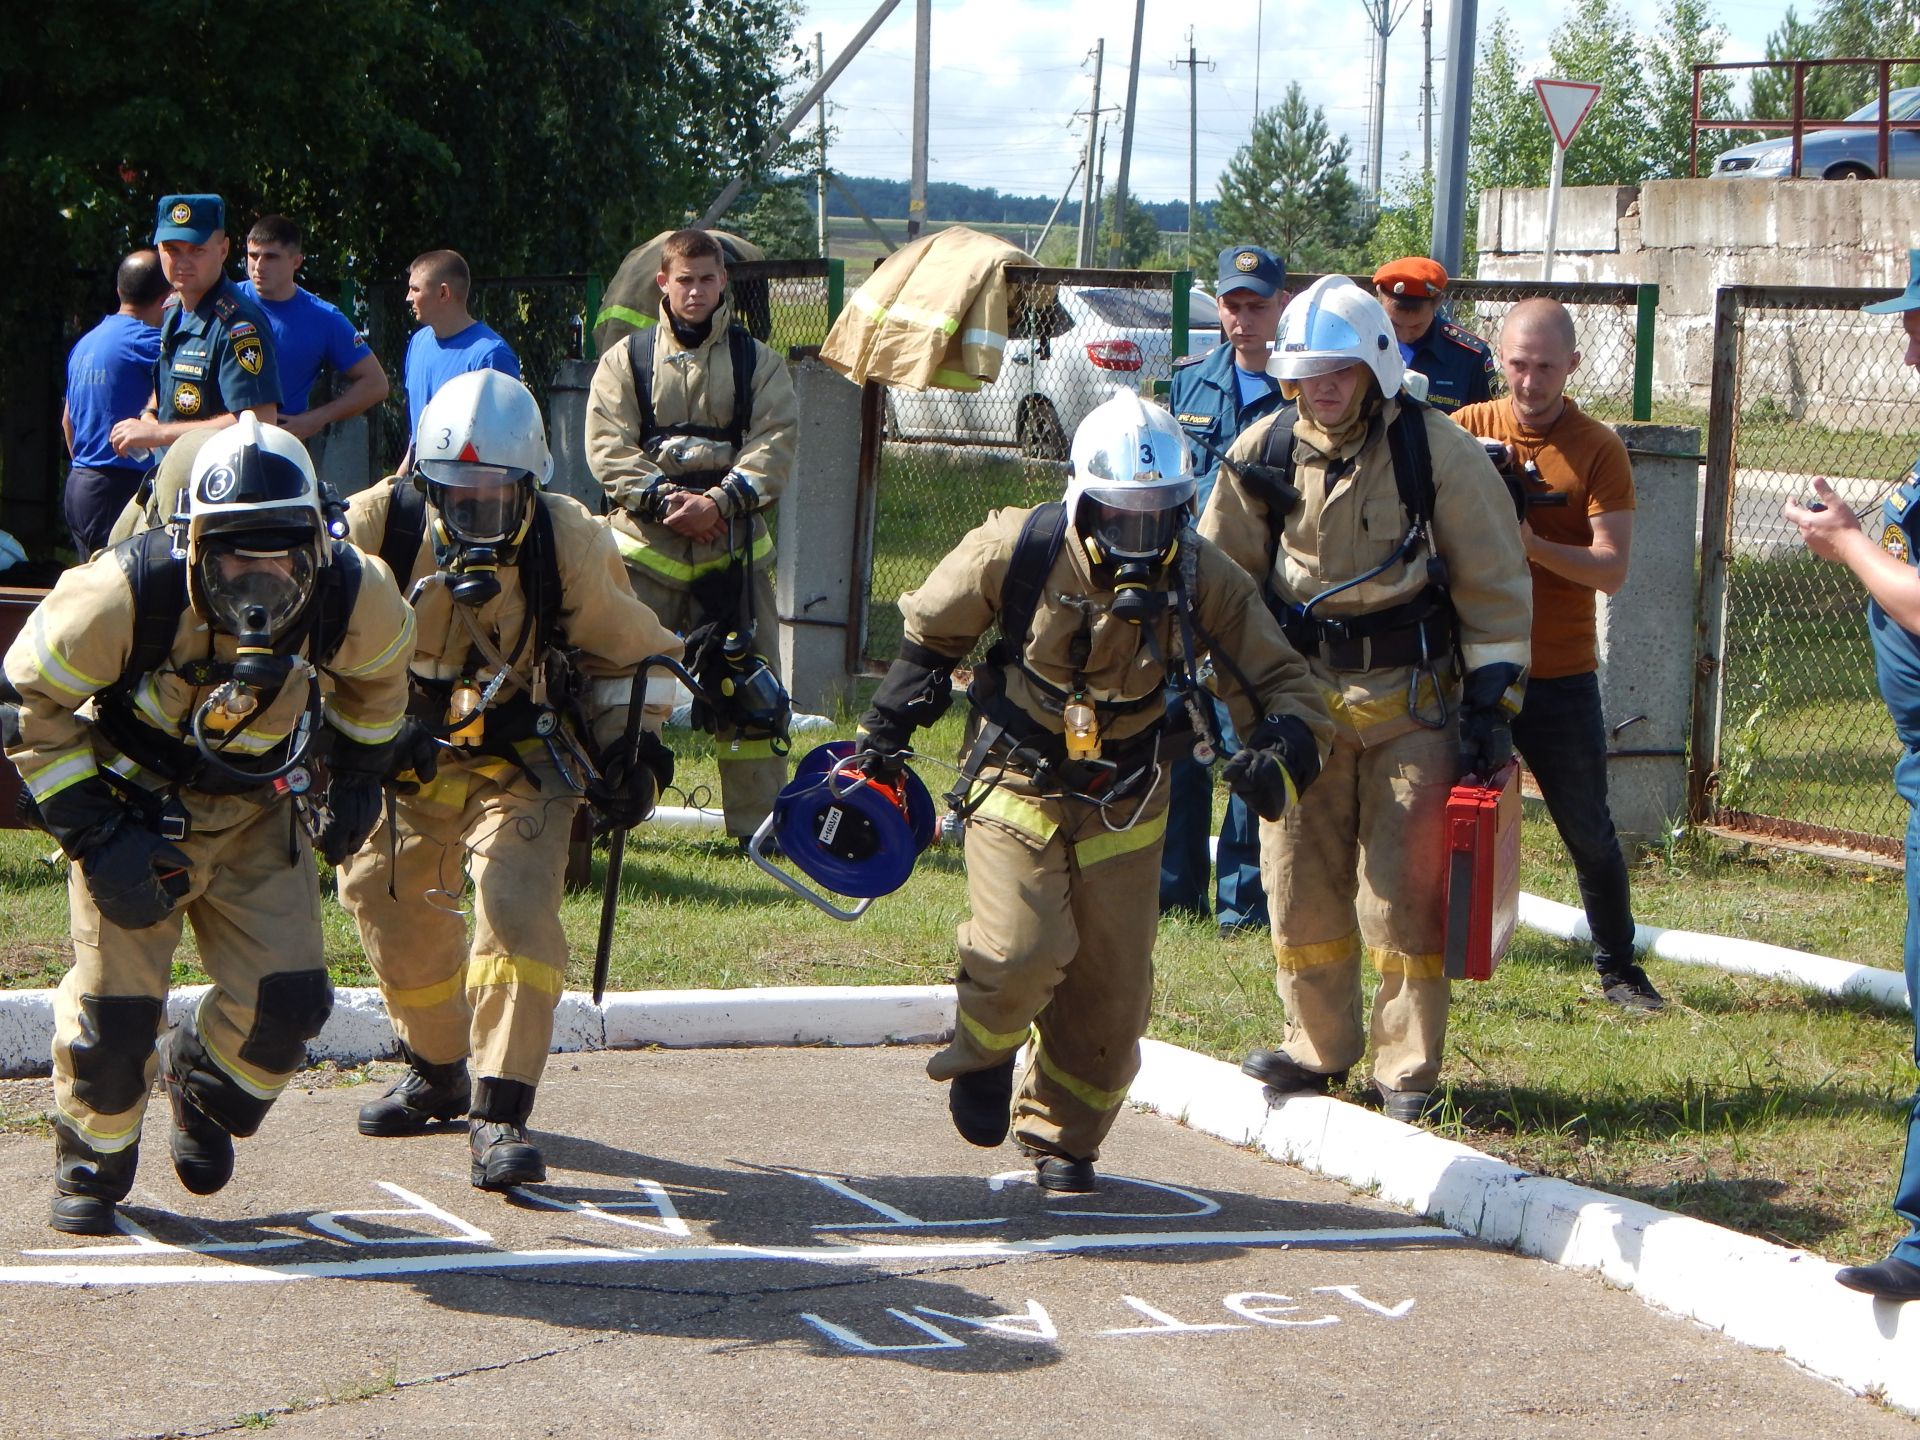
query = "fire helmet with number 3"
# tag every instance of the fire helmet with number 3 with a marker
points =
(1332, 324)
(253, 529)
(481, 450)
(1132, 485)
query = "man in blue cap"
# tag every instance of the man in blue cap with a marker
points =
(1885, 563)
(1215, 397)
(216, 348)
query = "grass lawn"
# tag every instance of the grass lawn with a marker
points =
(1749, 1103)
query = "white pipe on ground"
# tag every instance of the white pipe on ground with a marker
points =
(1745, 957)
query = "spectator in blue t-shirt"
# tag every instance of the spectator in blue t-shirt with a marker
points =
(308, 334)
(450, 341)
(110, 375)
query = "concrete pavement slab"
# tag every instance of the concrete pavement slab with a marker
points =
(793, 1242)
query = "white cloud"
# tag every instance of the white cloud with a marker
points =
(1007, 76)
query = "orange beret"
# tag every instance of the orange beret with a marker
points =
(1414, 276)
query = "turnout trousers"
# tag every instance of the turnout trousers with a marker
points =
(490, 999)
(256, 916)
(750, 773)
(1358, 865)
(1059, 948)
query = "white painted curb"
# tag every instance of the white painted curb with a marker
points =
(1744, 957)
(1762, 1295)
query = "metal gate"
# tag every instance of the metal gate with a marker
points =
(1789, 739)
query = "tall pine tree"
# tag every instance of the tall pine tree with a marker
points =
(1288, 189)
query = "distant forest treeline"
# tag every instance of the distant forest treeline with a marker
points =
(888, 198)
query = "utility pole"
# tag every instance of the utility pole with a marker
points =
(1099, 191)
(820, 174)
(1089, 211)
(1126, 139)
(1450, 182)
(1426, 87)
(1384, 18)
(1259, 16)
(922, 64)
(1193, 130)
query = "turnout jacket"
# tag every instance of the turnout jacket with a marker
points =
(959, 601)
(80, 639)
(690, 387)
(933, 314)
(1349, 519)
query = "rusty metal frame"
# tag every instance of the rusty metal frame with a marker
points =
(1798, 124)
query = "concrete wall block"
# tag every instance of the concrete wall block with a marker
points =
(813, 585)
(567, 434)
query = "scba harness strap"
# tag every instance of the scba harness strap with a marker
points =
(744, 356)
(1411, 633)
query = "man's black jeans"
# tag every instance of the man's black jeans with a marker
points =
(1563, 738)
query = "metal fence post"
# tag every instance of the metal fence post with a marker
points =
(1647, 301)
(1716, 545)
(588, 349)
(836, 290)
(1182, 288)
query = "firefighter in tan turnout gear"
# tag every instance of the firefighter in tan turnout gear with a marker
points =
(167, 703)
(1104, 603)
(690, 430)
(528, 637)
(1387, 544)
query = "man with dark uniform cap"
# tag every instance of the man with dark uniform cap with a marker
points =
(216, 353)
(1214, 397)
(1883, 560)
(1457, 364)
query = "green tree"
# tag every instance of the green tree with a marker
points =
(1839, 29)
(778, 218)
(1687, 37)
(1508, 143)
(1288, 189)
(1405, 226)
(1139, 238)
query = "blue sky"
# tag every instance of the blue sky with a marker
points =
(1007, 75)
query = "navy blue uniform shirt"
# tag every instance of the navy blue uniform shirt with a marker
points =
(1205, 399)
(215, 359)
(1457, 363)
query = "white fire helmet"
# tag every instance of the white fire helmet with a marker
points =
(481, 447)
(1334, 323)
(254, 531)
(1132, 484)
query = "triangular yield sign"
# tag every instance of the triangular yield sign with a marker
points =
(1567, 103)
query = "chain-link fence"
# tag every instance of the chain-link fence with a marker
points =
(947, 457)
(1789, 738)
(1612, 326)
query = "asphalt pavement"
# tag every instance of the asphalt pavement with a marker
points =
(792, 1242)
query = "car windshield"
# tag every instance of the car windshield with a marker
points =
(1134, 309)
(1901, 105)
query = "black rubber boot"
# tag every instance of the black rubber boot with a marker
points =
(202, 1147)
(1065, 1175)
(87, 1184)
(427, 1095)
(1284, 1075)
(497, 1134)
(979, 1101)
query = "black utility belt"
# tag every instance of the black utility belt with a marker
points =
(1425, 641)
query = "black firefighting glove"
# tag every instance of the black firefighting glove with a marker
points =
(1277, 762)
(416, 756)
(1489, 700)
(917, 691)
(134, 877)
(630, 782)
(353, 797)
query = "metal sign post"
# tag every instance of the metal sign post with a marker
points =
(1567, 103)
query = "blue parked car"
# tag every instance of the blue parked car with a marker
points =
(1834, 154)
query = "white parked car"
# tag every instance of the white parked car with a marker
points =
(1059, 364)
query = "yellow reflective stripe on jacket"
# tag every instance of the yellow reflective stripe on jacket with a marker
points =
(365, 734)
(986, 339)
(622, 312)
(926, 319)
(1015, 812)
(733, 752)
(1111, 844)
(995, 1040)
(69, 767)
(955, 379)
(402, 645)
(55, 670)
(868, 306)
(511, 970)
(1091, 1096)
(636, 551)
(146, 699)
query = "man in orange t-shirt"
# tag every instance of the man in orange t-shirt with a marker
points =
(1575, 548)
